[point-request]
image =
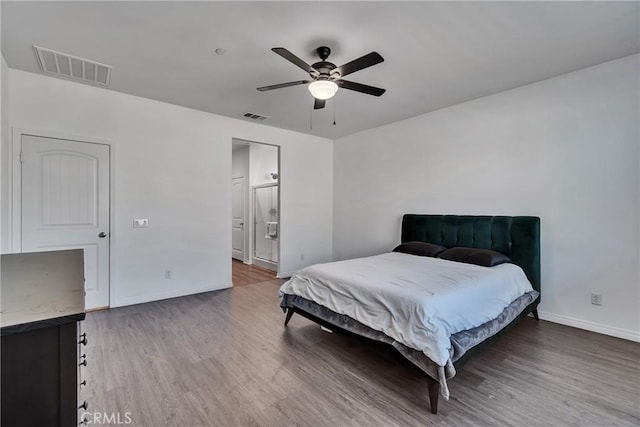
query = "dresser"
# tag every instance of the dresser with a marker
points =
(41, 350)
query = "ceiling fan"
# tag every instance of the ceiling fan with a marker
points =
(326, 77)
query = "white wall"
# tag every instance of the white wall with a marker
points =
(263, 161)
(565, 149)
(240, 162)
(5, 171)
(173, 165)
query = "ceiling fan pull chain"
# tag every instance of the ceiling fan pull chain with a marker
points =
(334, 111)
(311, 118)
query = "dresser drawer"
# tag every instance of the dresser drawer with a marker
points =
(39, 377)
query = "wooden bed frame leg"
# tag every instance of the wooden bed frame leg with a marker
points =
(535, 314)
(434, 392)
(289, 314)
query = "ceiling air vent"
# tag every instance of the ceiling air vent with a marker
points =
(255, 116)
(62, 64)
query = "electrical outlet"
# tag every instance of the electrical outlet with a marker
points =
(596, 299)
(168, 274)
(140, 222)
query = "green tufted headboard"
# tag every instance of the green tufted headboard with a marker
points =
(518, 237)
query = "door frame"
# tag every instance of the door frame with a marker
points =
(15, 190)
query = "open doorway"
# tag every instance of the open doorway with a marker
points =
(255, 222)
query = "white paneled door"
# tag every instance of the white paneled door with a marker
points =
(237, 220)
(65, 205)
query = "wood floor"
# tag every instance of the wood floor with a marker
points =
(224, 359)
(243, 274)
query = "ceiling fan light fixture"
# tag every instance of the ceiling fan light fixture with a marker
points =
(323, 89)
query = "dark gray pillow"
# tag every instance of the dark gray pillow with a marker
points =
(420, 249)
(483, 257)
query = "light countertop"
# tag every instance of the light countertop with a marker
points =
(39, 286)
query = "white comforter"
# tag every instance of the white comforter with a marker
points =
(418, 301)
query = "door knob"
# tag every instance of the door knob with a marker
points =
(102, 235)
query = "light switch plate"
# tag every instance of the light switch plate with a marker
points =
(140, 222)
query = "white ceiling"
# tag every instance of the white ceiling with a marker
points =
(436, 53)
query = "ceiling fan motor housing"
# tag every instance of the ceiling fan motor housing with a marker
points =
(325, 71)
(323, 52)
(324, 68)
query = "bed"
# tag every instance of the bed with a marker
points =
(436, 313)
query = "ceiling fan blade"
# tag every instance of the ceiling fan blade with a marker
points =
(368, 60)
(359, 87)
(281, 85)
(319, 103)
(293, 59)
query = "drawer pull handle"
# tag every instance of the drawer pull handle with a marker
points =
(83, 363)
(84, 405)
(83, 340)
(83, 383)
